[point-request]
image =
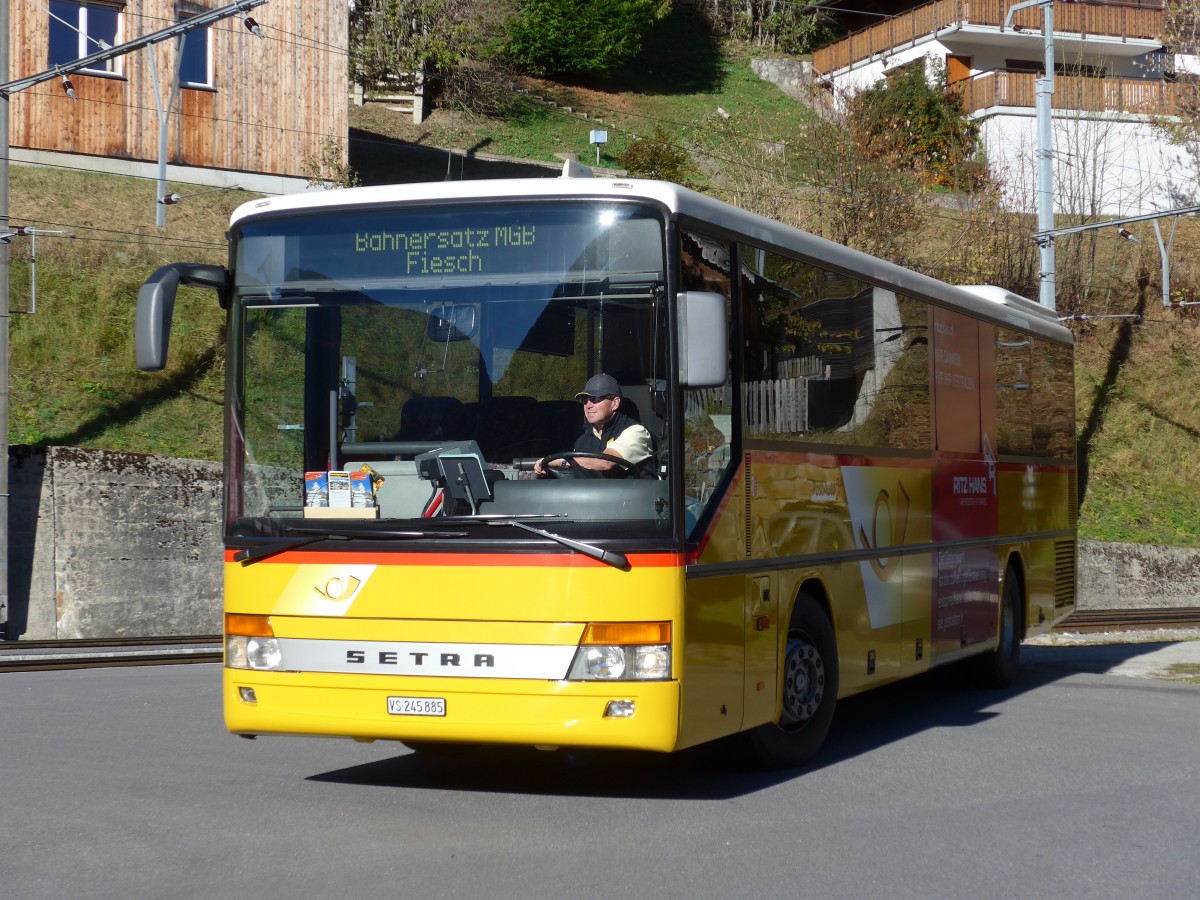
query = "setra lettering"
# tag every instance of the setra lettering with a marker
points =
(422, 659)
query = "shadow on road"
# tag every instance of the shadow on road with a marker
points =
(864, 724)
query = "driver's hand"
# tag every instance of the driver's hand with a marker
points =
(539, 469)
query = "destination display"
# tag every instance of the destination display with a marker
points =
(448, 251)
(352, 247)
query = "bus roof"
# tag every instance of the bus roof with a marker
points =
(695, 209)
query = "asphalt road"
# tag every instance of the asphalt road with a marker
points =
(1075, 783)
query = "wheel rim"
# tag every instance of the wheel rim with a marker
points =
(803, 683)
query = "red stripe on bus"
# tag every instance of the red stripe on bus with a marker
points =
(694, 556)
(510, 560)
(789, 457)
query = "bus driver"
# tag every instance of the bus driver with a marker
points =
(609, 432)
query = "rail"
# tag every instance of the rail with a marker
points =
(1093, 620)
(43, 656)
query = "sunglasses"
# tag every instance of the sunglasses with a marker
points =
(597, 399)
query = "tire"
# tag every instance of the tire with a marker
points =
(810, 686)
(998, 668)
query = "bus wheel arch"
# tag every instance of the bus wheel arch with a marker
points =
(809, 685)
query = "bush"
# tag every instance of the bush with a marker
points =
(579, 37)
(658, 157)
(921, 121)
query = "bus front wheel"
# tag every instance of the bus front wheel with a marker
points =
(810, 686)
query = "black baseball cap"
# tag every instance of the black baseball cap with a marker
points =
(600, 386)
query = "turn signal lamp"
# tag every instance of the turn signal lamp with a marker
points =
(627, 633)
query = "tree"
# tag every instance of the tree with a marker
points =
(392, 39)
(920, 121)
(579, 37)
(783, 25)
(823, 180)
(1181, 38)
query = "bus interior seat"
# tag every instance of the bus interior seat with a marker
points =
(652, 397)
(431, 419)
(506, 427)
(562, 423)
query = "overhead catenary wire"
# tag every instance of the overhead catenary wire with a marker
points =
(302, 40)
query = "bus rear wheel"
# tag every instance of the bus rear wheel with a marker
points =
(810, 686)
(998, 668)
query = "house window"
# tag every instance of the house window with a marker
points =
(195, 69)
(1023, 65)
(79, 29)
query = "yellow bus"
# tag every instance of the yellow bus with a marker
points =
(856, 473)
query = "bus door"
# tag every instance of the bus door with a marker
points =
(965, 505)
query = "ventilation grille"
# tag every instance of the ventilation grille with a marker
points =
(1064, 573)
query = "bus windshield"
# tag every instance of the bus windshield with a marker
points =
(396, 339)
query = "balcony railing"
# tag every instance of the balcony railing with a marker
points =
(1127, 21)
(1019, 89)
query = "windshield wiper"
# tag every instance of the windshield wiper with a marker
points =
(251, 554)
(367, 531)
(612, 558)
(316, 533)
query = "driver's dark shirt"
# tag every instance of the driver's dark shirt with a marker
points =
(635, 447)
(588, 442)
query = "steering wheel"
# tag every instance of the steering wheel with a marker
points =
(575, 470)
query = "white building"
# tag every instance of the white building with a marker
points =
(1112, 81)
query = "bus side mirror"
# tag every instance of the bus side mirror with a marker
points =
(156, 306)
(703, 339)
(452, 323)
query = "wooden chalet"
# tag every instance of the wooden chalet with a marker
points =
(258, 106)
(1102, 47)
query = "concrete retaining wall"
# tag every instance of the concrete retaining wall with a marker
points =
(112, 545)
(792, 76)
(1137, 576)
(121, 545)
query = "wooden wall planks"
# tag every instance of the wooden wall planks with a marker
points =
(274, 102)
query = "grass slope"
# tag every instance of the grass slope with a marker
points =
(73, 379)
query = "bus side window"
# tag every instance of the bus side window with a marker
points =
(708, 438)
(830, 359)
(1053, 401)
(1014, 413)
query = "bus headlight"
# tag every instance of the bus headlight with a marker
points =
(604, 662)
(623, 651)
(619, 663)
(652, 662)
(261, 653)
(250, 643)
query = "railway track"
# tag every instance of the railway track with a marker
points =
(44, 656)
(1094, 620)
